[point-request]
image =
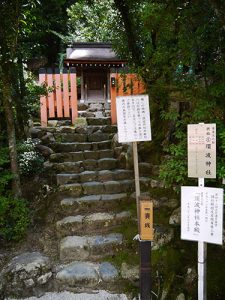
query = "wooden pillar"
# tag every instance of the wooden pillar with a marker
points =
(51, 102)
(43, 100)
(73, 93)
(58, 88)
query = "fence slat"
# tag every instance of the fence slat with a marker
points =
(43, 100)
(58, 90)
(73, 89)
(66, 104)
(51, 104)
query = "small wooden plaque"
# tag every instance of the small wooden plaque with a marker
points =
(146, 220)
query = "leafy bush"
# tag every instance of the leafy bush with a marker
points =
(30, 161)
(14, 218)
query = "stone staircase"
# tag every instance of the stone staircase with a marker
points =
(93, 209)
(92, 185)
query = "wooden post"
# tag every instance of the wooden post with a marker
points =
(59, 108)
(137, 179)
(43, 100)
(73, 93)
(66, 105)
(113, 99)
(51, 102)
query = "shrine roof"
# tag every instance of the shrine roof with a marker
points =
(88, 52)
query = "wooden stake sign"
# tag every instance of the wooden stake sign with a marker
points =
(146, 221)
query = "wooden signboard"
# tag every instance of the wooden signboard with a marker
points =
(146, 220)
(133, 118)
(202, 150)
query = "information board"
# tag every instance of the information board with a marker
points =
(202, 150)
(133, 118)
(202, 214)
(146, 220)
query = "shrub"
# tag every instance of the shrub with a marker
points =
(14, 218)
(30, 161)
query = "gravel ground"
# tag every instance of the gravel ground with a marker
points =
(100, 295)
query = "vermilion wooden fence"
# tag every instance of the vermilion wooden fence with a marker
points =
(125, 85)
(61, 101)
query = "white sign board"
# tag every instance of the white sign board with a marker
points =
(202, 214)
(133, 118)
(202, 150)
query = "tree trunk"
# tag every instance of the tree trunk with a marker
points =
(8, 110)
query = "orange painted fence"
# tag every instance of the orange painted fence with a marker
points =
(125, 85)
(61, 101)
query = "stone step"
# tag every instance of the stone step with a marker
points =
(82, 248)
(91, 295)
(87, 275)
(73, 147)
(97, 187)
(99, 121)
(89, 176)
(97, 136)
(86, 165)
(92, 222)
(100, 203)
(79, 156)
(106, 187)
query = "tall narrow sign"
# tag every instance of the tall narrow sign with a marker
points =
(202, 150)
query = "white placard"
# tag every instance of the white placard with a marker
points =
(202, 150)
(202, 214)
(133, 118)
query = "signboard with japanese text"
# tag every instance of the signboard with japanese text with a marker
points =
(146, 220)
(133, 118)
(202, 150)
(202, 214)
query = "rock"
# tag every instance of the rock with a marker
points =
(79, 273)
(44, 150)
(93, 295)
(81, 130)
(52, 123)
(108, 272)
(175, 218)
(180, 297)
(190, 278)
(74, 248)
(48, 138)
(129, 272)
(80, 122)
(95, 106)
(26, 273)
(145, 168)
(65, 129)
(64, 123)
(36, 133)
(162, 236)
(82, 106)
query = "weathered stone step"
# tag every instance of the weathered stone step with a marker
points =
(88, 176)
(100, 203)
(99, 121)
(86, 165)
(107, 187)
(82, 223)
(91, 295)
(97, 187)
(72, 147)
(87, 275)
(82, 248)
(79, 156)
(82, 138)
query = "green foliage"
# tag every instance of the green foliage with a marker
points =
(14, 218)
(91, 22)
(5, 175)
(30, 161)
